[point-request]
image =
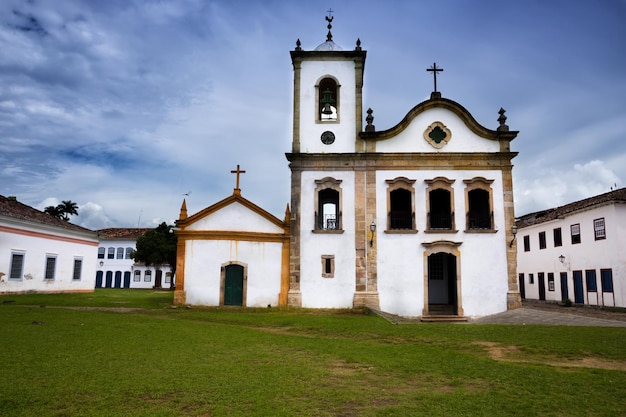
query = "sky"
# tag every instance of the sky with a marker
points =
(126, 107)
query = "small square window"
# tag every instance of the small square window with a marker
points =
(328, 266)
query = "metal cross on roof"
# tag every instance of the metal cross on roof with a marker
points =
(329, 19)
(237, 171)
(435, 70)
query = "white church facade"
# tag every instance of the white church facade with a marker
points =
(416, 220)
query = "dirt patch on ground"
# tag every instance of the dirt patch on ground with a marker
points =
(503, 353)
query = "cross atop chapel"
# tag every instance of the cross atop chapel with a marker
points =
(237, 171)
(435, 70)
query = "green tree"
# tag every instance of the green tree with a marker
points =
(63, 211)
(54, 211)
(157, 247)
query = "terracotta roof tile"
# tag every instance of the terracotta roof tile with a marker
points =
(12, 208)
(617, 196)
(122, 233)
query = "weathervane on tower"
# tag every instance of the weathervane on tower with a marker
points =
(329, 19)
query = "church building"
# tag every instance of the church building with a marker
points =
(416, 220)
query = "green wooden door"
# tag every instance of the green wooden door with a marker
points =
(233, 286)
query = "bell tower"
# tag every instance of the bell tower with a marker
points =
(327, 106)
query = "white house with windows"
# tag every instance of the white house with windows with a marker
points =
(415, 220)
(40, 253)
(575, 252)
(116, 269)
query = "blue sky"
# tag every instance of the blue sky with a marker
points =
(125, 106)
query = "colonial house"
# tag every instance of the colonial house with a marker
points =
(116, 269)
(415, 220)
(40, 253)
(575, 252)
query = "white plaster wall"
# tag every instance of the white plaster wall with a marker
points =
(317, 291)
(204, 259)
(128, 265)
(311, 129)
(235, 217)
(35, 250)
(401, 256)
(590, 254)
(462, 138)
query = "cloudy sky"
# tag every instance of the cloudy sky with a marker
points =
(125, 106)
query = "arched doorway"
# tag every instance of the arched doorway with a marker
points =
(442, 279)
(442, 291)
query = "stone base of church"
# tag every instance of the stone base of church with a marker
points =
(513, 300)
(366, 299)
(294, 299)
(180, 297)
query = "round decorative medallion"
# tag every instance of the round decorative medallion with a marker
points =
(437, 134)
(328, 138)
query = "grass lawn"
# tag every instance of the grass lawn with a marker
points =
(159, 361)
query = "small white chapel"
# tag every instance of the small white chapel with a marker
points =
(416, 220)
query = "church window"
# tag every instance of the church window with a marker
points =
(101, 252)
(400, 204)
(328, 205)
(328, 266)
(328, 100)
(147, 276)
(440, 201)
(137, 276)
(111, 253)
(479, 203)
(120, 253)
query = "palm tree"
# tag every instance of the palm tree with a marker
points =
(68, 208)
(54, 211)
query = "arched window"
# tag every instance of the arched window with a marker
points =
(328, 204)
(147, 276)
(328, 100)
(120, 253)
(128, 252)
(400, 204)
(137, 276)
(440, 198)
(479, 203)
(111, 253)
(101, 252)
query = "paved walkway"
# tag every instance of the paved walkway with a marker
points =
(529, 315)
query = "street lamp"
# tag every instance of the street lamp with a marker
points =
(372, 229)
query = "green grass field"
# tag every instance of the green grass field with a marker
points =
(128, 353)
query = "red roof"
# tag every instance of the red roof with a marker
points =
(10, 207)
(122, 233)
(612, 197)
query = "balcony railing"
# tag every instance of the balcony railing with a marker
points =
(479, 220)
(401, 220)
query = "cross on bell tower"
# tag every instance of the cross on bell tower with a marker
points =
(238, 171)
